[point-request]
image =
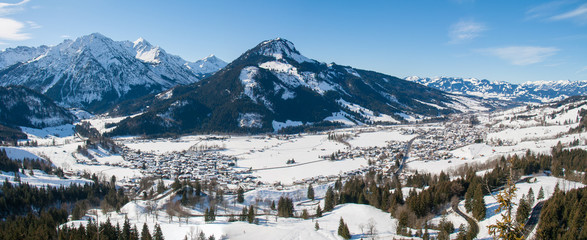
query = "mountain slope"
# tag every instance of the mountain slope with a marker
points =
(272, 85)
(20, 106)
(540, 91)
(95, 72)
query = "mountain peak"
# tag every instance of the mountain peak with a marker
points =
(280, 48)
(207, 65)
(141, 41)
(93, 36)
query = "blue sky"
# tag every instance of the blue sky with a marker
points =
(514, 41)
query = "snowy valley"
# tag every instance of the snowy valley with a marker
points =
(210, 171)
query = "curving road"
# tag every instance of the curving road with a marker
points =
(406, 155)
(534, 217)
(473, 226)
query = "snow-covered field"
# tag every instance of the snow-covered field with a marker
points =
(41, 179)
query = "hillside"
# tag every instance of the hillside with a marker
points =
(20, 106)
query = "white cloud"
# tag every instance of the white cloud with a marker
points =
(465, 30)
(522, 55)
(65, 36)
(12, 30)
(579, 14)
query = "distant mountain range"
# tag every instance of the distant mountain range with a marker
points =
(272, 86)
(539, 91)
(94, 72)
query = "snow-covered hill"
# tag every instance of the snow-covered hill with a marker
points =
(95, 72)
(539, 91)
(273, 86)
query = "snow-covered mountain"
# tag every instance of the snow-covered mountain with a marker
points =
(207, 65)
(273, 86)
(11, 56)
(20, 106)
(539, 91)
(95, 72)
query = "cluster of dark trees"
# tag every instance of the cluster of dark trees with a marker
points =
(563, 216)
(561, 163)
(210, 214)
(10, 135)
(107, 230)
(474, 197)
(248, 214)
(30, 212)
(285, 207)
(94, 138)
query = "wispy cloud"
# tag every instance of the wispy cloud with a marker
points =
(65, 36)
(465, 30)
(522, 55)
(583, 69)
(33, 25)
(545, 10)
(11, 29)
(578, 14)
(9, 8)
(558, 11)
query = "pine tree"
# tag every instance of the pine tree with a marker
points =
(198, 188)
(317, 226)
(305, 214)
(479, 204)
(126, 229)
(176, 185)
(318, 211)
(506, 228)
(426, 235)
(240, 195)
(145, 234)
(158, 235)
(160, 186)
(251, 214)
(531, 197)
(310, 192)
(541, 193)
(343, 230)
(243, 216)
(329, 200)
(523, 211)
(273, 205)
(134, 233)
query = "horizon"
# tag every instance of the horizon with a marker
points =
(529, 42)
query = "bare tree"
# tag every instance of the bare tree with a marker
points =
(371, 228)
